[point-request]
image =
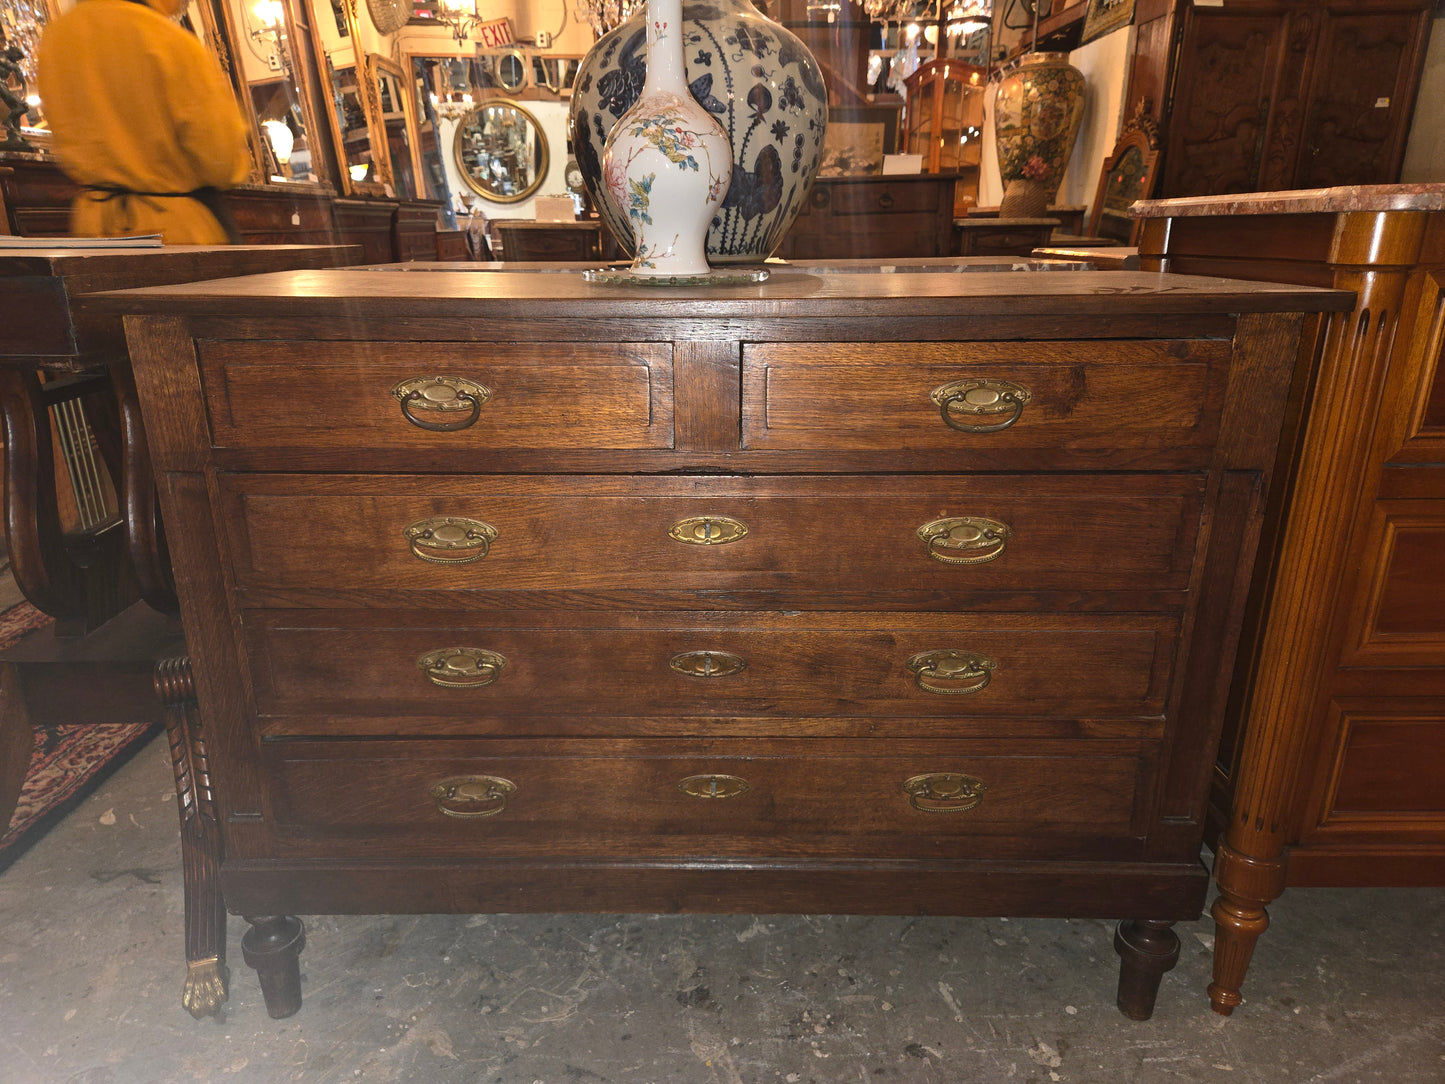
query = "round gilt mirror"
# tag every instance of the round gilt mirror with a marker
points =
(501, 151)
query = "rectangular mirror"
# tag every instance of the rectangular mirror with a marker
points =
(363, 172)
(267, 66)
(396, 109)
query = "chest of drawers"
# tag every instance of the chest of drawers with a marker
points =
(842, 593)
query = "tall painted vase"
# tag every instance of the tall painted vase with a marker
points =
(761, 83)
(1037, 114)
(667, 163)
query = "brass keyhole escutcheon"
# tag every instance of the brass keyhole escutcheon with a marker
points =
(461, 667)
(708, 664)
(714, 786)
(441, 404)
(944, 792)
(450, 540)
(980, 404)
(952, 673)
(468, 797)
(965, 540)
(708, 530)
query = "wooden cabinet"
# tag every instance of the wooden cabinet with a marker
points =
(943, 121)
(1332, 771)
(1264, 95)
(873, 217)
(848, 592)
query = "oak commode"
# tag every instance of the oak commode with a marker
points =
(851, 593)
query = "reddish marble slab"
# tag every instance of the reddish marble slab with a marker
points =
(1367, 197)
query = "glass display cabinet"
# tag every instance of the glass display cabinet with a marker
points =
(943, 121)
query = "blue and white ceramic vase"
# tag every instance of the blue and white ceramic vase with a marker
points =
(759, 81)
(666, 163)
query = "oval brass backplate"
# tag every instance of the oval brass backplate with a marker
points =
(708, 530)
(441, 404)
(468, 797)
(714, 786)
(948, 672)
(980, 404)
(450, 540)
(944, 792)
(708, 664)
(965, 540)
(461, 667)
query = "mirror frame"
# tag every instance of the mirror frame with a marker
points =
(370, 108)
(376, 65)
(542, 168)
(224, 33)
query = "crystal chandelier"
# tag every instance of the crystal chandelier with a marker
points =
(889, 11)
(603, 15)
(453, 107)
(461, 15)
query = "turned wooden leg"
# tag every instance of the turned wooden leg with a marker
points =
(17, 741)
(206, 977)
(1246, 885)
(273, 947)
(1146, 950)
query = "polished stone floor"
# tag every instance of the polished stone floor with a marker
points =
(1347, 986)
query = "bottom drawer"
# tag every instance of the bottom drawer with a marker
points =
(717, 798)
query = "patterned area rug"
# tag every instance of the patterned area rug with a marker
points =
(68, 762)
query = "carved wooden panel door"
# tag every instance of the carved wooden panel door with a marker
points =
(1226, 78)
(1364, 70)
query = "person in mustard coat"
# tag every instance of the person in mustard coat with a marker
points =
(144, 119)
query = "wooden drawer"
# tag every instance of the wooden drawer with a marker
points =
(778, 664)
(879, 198)
(809, 542)
(538, 395)
(722, 799)
(1088, 405)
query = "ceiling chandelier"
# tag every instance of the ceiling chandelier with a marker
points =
(603, 15)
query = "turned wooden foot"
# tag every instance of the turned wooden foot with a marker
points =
(1146, 950)
(1246, 884)
(205, 914)
(273, 947)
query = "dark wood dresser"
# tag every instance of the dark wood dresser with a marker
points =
(1332, 769)
(874, 217)
(845, 593)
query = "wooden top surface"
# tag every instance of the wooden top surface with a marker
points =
(118, 268)
(387, 294)
(1355, 197)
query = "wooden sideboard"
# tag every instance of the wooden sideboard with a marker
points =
(36, 196)
(1334, 750)
(874, 218)
(86, 561)
(804, 596)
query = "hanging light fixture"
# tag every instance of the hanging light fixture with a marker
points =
(965, 17)
(462, 16)
(603, 15)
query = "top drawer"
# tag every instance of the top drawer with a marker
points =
(1032, 405)
(381, 395)
(879, 198)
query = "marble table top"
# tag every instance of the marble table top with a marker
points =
(1364, 197)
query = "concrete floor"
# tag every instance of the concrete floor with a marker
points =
(1347, 986)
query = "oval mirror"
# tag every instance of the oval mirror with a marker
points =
(501, 151)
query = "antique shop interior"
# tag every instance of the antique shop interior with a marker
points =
(1202, 521)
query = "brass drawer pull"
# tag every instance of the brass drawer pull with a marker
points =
(708, 664)
(450, 540)
(965, 540)
(708, 530)
(886, 201)
(714, 786)
(944, 792)
(461, 667)
(468, 797)
(983, 398)
(441, 396)
(951, 673)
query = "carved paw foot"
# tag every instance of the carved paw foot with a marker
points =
(205, 990)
